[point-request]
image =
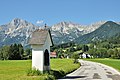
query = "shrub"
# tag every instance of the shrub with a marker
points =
(36, 72)
(33, 72)
(49, 77)
(57, 74)
(76, 57)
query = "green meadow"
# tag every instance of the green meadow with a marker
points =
(115, 63)
(17, 69)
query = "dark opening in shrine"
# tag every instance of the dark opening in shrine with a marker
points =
(46, 58)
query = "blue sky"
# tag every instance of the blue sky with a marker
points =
(55, 11)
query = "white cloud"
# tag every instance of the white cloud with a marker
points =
(39, 22)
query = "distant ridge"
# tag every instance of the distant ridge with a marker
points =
(68, 31)
(107, 30)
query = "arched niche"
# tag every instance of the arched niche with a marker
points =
(46, 58)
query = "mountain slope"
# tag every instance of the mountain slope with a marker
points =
(17, 31)
(67, 31)
(107, 30)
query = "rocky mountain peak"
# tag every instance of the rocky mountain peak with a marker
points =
(16, 22)
(67, 23)
(64, 26)
(17, 31)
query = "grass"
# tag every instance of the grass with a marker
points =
(16, 69)
(65, 65)
(115, 63)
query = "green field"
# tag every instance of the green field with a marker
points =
(115, 63)
(17, 69)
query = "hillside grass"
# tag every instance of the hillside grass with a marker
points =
(17, 69)
(115, 63)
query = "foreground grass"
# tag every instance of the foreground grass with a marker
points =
(115, 63)
(16, 69)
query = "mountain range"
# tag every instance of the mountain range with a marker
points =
(106, 31)
(67, 31)
(19, 31)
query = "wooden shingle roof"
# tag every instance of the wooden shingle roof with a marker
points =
(39, 36)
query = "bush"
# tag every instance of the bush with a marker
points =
(49, 77)
(33, 72)
(76, 57)
(36, 72)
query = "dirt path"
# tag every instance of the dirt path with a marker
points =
(93, 71)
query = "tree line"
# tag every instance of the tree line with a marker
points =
(67, 49)
(105, 49)
(14, 52)
(109, 48)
